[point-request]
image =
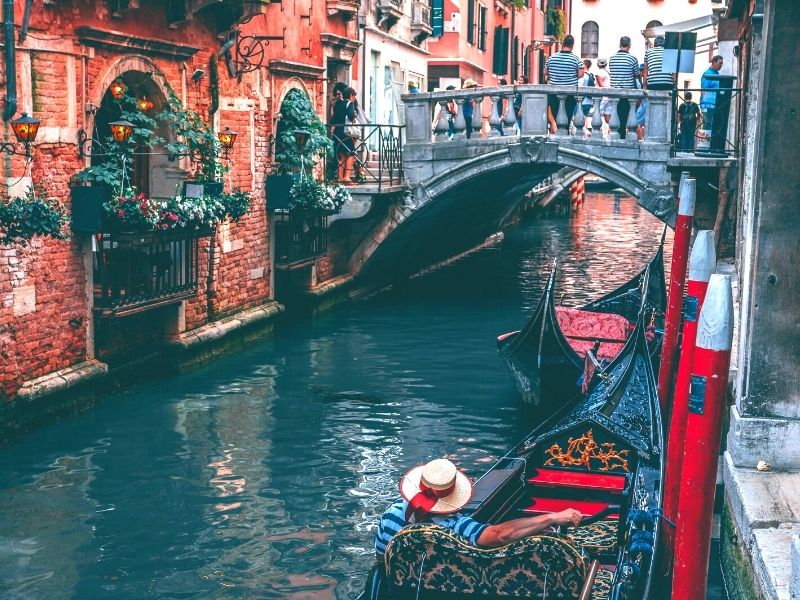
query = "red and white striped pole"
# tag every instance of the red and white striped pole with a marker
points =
(707, 404)
(677, 279)
(702, 263)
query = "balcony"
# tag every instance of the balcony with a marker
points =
(137, 271)
(421, 20)
(300, 237)
(347, 8)
(389, 12)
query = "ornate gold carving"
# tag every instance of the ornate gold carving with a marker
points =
(583, 450)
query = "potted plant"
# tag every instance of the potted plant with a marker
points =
(312, 196)
(21, 219)
(295, 156)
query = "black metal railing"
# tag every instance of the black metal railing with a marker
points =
(300, 236)
(135, 271)
(378, 153)
(707, 134)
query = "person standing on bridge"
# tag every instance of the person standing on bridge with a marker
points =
(625, 74)
(563, 68)
(708, 98)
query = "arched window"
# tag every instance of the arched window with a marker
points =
(590, 34)
(652, 24)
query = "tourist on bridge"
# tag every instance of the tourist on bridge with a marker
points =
(653, 74)
(688, 117)
(521, 80)
(434, 493)
(469, 106)
(563, 68)
(709, 99)
(625, 74)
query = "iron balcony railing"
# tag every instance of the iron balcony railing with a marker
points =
(715, 132)
(378, 151)
(420, 14)
(136, 271)
(300, 236)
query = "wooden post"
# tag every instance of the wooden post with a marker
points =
(707, 404)
(702, 263)
(677, 279)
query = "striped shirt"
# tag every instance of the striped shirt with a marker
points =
(394, 519)
(653, 61)
(624, 69)
(562, 68)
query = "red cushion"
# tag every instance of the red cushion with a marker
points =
(587, 508)
(614, 484)
(582, 328)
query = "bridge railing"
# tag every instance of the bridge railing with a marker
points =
(430, 118)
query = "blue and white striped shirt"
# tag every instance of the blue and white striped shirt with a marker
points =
(394, 519)
(563, 67)
(624, 69)
(654, 61)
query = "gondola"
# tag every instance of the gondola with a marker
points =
(546, 358)
(603, 456)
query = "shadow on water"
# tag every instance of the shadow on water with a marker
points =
(263, 474)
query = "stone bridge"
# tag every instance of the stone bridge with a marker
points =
(460, 189)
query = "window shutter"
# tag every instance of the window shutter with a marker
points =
(437, 17)
(470, 21)
(482, 40)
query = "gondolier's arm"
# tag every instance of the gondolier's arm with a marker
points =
(511, 531)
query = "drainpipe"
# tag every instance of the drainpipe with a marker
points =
(10, 108)
(211, 284)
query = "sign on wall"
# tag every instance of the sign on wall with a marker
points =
(679, 50)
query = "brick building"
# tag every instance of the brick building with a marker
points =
(232, 61)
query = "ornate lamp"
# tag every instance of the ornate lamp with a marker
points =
(227, 138)
(25, 129)
(121, 131)
(117, 89)
(301, 137)
(144, 104)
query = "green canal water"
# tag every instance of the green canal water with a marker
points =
(263, 474)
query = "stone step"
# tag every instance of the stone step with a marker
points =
(775, 560)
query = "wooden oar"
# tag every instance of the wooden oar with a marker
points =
(586, 592)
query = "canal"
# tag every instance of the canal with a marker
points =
(262, 475)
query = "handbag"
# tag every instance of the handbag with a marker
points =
(351, 129)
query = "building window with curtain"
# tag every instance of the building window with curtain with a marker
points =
(590, 36)
(482, 27)
(471, 22)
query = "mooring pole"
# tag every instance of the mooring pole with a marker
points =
(677, 279)
(707, 403)
(702, 263)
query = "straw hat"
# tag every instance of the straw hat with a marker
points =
(437, 484)
(469, 83)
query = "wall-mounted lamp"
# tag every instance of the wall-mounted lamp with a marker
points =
(227, 138)
(117, 89)
(121, 131)
(301, 137)
(25, 129)
(144, 104)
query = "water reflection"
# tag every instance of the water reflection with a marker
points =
(262, 475)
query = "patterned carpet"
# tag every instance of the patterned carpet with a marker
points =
(598, 538)
(602, 584)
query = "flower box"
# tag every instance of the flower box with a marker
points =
(87, 208)
(277, 190)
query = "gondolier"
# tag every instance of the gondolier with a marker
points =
(434, 493)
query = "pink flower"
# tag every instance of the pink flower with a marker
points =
(120, 213)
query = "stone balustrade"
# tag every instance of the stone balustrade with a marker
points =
(428, 119)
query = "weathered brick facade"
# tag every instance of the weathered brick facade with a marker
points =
(73, 51)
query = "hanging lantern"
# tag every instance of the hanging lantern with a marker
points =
(144, 104)
(25, 128)
(301, 137)
(227, 138)
(121, 131)
(117, 89)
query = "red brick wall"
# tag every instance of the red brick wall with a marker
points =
(55, 334)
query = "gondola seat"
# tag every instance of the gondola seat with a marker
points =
(444, 566)
(583, 327)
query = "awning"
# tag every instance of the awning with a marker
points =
(690, 25)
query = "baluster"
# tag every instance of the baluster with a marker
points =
(442, 123)
(477, 115)
(613, 123)
(631, 124)
(494, 118)
(459, 124)
(562, 121)
(579, 119)
(597, 119)
(510, 118)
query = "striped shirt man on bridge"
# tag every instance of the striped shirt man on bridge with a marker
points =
(654, 75)
(562, 68)
(624, 70)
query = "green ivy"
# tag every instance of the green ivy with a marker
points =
(23, 218)
(556, 23)
(298, 113)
